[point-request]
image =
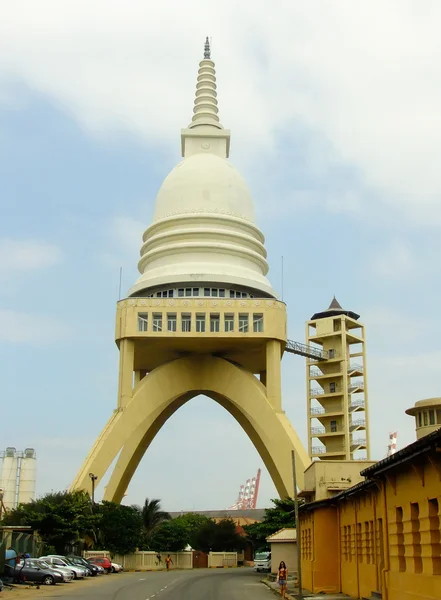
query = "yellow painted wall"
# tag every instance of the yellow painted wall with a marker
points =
(320, 555)
(397, 552)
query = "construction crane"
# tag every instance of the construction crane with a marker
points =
(248, 494)
(392, 446)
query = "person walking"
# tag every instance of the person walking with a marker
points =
(282, 577)
(168, 562)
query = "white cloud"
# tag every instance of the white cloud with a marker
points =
(393, 262)
(26, 255)
(21, 327)
(362, 77)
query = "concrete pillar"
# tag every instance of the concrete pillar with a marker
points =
(126, 362)
(273, 373)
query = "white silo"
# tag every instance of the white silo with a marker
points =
(27, 476)
(8, 479)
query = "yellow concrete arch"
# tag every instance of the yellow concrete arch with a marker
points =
(158, 395)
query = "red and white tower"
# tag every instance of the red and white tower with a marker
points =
(248, 494)
(392, 446)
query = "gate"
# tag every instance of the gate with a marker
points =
(200, 560)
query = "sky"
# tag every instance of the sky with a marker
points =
(334, 114)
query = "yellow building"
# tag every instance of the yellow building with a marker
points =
(202, 318)
(382, 535)
(427, 415)
(337, 395)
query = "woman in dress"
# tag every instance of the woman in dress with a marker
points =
(282, 577)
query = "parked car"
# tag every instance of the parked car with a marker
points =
(116, 568)
(60, 561)
(94, 570)
(102, 561)
(67, 574)
(32, 571)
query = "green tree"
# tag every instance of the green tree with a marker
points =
(169, 536)
(193, 523)
(61, 519)
(120, 527)
(277, 517)
(153, 515)
(218, 537)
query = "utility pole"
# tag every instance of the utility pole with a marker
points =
(296, 512)
(93, 478)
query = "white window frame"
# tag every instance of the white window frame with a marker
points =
(229, 323)
(157, 322)
(200, 322)
(143, 322)
(186, 319)
(258, 323)
(214, 323)
(244, 323)
(172, 322)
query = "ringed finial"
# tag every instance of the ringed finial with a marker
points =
(207, 51)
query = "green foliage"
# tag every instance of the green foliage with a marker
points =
(61, 518)
(169, 535)
(120, 527)
(277, 517)
(218, 537)
(193, 523)
(152, 516)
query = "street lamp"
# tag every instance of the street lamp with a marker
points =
(93, 479)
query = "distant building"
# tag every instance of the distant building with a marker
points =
(18, 476)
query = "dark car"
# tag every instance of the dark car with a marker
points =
(82, 562)
(31, 571)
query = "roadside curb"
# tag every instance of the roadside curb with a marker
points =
(268, 585)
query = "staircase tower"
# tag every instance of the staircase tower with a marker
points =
(337, 395)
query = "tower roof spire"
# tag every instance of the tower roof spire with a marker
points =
(207, 50)
(205, 105)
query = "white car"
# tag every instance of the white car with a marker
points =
(116, 568)
(60, 561)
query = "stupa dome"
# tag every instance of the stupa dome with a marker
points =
(203, 230)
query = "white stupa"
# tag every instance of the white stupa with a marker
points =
(203, 233)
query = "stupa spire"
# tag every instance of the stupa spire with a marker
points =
(205, 105)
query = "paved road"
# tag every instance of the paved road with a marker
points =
(200, 584)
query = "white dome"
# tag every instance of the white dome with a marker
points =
(204, 183)
(203, 229)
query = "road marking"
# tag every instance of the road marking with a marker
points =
(142, 579)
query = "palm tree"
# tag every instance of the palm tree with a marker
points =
(152, 515)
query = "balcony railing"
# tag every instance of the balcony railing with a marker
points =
(318, 450)
(355, 367)
(315, 430)
(356, 404)
(358, 423)
(356, 385)
(319, 391)
(358, 442)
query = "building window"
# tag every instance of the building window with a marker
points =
(434, 527)
(180, 292)
(333, 426)
(229, 322)
(186, 322)
(221, 293)
(157, 322)
(200, 323)
(214, 323)
(206, 291)
(142, 321)
(231, 293)
(171, 322)
(188, 291)
(416, 537)
(332, 387)
(431, 417)
(331, 353)
(257, 323)
(337, 325)
(243, 323)
(214, 292)
(425, 417)
(170, 293)
(420, 420)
